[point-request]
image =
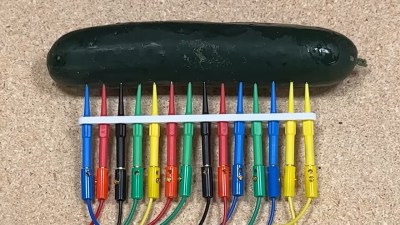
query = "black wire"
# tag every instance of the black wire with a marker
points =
(205, 212)
(120, 212)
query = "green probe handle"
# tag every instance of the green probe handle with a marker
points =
(137, 169)
(185, 186)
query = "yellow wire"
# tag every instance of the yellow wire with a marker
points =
(146, 214)
(291, 207)
(301, 213)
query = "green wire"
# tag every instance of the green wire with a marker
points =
(175, 212)
(132, 212)
(255, 213)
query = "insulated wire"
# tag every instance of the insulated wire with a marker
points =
(255, 213)
(132, 212)
(120, 204)
(301, 213)
(203, 218)
(146, 214)
(98, 211)
(162, 213)
(90, 209)
(175, 212)
(224, 221)
(291, 207)
(233, 207)
(272, 212)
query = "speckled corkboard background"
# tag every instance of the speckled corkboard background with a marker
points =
(357, 141)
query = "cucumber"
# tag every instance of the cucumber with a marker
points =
(179, 51)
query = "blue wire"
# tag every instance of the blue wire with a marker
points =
(232, 208)
(272, 212)
(92, 216)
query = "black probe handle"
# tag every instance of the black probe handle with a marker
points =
(207, 181)
(206, 170)
(206, 143)
(120, 172)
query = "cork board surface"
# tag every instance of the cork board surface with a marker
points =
(357, 143)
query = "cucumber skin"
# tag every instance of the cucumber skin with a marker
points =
(184, 52)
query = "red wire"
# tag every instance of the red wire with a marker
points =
(162, 213)
(225, 211)
(99, 209)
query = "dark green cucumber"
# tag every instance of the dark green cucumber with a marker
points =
(201, 51)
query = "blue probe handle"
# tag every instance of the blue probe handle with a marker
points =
(87, 181)
(238, 172)
(273, 136)
(239, 129)
(87, 177)
(273, 168)
(86, 146)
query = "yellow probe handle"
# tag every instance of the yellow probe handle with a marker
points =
(289, 180)
(310, 170)
(154, 169)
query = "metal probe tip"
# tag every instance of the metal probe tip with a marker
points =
(103, 111)
(154, 108)
(86, 110)
(171, 106)
(138, 105)
(291, 99)
(255, 99)
(121, 100)
(239, 108)
(222, 104)
(189, 99)
(273, 98)
(307, 104)
(205, 99)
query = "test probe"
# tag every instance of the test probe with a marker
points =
(87, 178)
(137, 172)
(120, 171)
(206, 169)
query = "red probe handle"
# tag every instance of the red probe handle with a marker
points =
(171, 182)
(224, 190)
(102, 183)
(223, 168)
(223, 143)
(103, 145)
(171, 143)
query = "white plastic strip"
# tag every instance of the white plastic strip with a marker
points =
(145, 119)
